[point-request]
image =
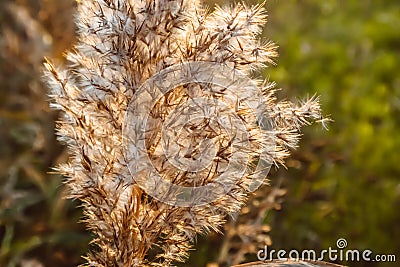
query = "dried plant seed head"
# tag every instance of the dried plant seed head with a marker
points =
(167, 131)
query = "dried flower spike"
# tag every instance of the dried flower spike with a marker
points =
(166, 130)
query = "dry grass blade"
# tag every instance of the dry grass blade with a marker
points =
(289, 263)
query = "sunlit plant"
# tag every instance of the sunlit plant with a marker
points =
(167, 127)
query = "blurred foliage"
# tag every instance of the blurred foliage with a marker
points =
(342, 183)
(37, 226)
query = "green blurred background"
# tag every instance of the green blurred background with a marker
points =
(341, 183)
